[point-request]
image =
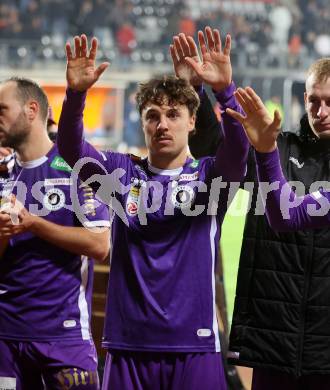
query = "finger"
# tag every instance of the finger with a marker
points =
(68, 51)
(202, 43)
(217, 40)
(248, 101)
(93, 51)
(77, 46)
(240, 98)
(227, 47)
(101, 69)
(178, 47)
(236, 115)
(209, 37)
(84, 45)
(277, 120)
(184, 45)
(174, 57)
(192, 47)
(257, 102)
(194, 65)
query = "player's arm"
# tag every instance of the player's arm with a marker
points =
(204, 141)
(94, 243)
(285, 211)
(81, 75)
(215, 70)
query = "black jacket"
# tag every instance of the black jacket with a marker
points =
(281, 315)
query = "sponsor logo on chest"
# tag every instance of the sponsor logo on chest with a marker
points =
(60, 164)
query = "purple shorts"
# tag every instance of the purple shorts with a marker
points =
(264, 378)
(56, 365)
(155, 371)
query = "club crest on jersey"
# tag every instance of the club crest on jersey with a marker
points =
(54, 199)
(182, 196)
(194, 164)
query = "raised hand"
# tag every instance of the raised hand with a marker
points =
(215, 68)
(182, 48)
(261, 129)
(81, 73)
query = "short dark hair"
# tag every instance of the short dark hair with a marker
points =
(167, 89)
(29, 89)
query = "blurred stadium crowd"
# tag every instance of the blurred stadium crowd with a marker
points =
(278, 33)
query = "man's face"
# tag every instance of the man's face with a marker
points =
(166, 128)
(14, 125)
(317, 104)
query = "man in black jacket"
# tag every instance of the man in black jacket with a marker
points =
(281, 321)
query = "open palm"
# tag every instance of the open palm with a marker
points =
(81, 72)
(215, 68)
(183, 47)
(260, 128)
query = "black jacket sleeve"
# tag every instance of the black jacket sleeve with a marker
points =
(204, 141)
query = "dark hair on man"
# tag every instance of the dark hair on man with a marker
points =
(167, 89)
(28, 89)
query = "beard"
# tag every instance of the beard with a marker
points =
(17, 133)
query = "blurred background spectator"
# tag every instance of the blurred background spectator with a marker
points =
(137, 32)
(273, 42)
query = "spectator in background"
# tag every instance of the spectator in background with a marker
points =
(126, 41)
(281, 19)
(187, 25)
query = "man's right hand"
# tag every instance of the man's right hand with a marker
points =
(261, 130)
(81, 73)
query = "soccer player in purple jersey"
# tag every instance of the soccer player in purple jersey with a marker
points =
(161, 328)
(45, 275)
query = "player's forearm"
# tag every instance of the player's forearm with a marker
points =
(232, 153)
(70, 137)
(285, 211)
(78, 240)
(70, 126)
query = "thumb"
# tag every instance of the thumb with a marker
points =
(277, 118)
(276, 124)
(101, 69)
(193, 64)
(234, 114)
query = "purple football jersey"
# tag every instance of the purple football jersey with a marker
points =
(165, 237)
(284, 209)
(45, 291)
